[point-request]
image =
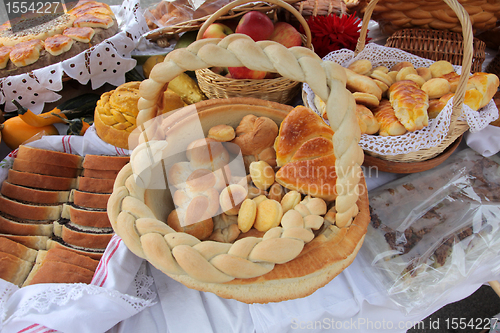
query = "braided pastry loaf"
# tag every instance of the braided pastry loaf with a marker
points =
(287, 261)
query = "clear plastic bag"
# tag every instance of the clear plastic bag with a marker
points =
(430, 231)
(168, 13)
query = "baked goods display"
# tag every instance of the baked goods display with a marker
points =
(50, 206)
(431, 230)
(251, 269)
(415, 95)
(51, 39)
(116, 112)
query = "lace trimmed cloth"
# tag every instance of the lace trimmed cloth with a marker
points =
(429, 136)
(106, 62)
(54, 307)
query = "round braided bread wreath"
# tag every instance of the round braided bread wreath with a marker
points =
(209, 265)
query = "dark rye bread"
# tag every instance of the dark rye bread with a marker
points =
(44, 169)
(105, 162)
(51, 157)
(89, 199)
(41, 181)
(13, 226)
(86, 217)
(58, 243)
(92, 238)
(29, 211)
(24, 193)
(95, 185)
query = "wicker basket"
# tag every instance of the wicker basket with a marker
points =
(457, 127)
(195, 24)
(393, 15)
(281, 90)
(437, 45)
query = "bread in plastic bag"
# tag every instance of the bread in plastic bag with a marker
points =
(169, 13)
(431, 230)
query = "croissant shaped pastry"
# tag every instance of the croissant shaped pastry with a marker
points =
(410, 104)
(304, 151)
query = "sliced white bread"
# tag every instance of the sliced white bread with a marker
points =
(86, 217)
(14, 269)
(105, 162)
(52, 157)
(33, 242)
(17, 249)
(29, 211)
(102, 174)
(95, 185)
(89, 199)
(59, 269)
(83, 237)
(12, 226)
(28, 194)
(41, 181)
(59, 244)
(44, 169)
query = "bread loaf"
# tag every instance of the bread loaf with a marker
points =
(21, 193)
(41, 181)
(44, 169)
(83, 237)
(14, 269)
(89, 199)
(86, 217)
(10, 225)
(95, 185)
(101, 174)
(95, 254)
(51, 157)
(105, 162)
(33, 242)
(17, 249)
(29, 211)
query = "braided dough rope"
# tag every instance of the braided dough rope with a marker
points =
(179, 253)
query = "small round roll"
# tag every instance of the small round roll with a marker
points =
(231, 198)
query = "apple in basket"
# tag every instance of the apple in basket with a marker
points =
(256, 25)
(246, 73)
(217, 30)
(286, 34)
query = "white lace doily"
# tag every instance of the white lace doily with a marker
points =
(106, 62)
(428, 137)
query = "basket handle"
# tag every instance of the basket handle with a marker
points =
(468, 37)
(237, 3)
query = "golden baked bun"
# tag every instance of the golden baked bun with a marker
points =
(255, 136)
(116, 112)
(410, 104)
(388, 122)
(486, 84)
(367, 122)
(304, 151)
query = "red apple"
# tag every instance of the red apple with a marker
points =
(217, 30)
(286, 34)
(246, 73)
(256, 25)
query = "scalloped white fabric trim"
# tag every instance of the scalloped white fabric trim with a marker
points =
(106, 62)
(428, 137)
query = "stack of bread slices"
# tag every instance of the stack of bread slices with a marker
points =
(55, 202)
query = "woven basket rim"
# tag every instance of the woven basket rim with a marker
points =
(455, 129)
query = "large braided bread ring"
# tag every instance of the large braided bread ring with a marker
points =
(181, 254)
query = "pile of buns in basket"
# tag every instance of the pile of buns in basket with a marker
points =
(400, 99)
